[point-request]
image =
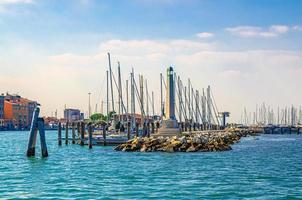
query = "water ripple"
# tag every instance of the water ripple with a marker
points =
(267, 168)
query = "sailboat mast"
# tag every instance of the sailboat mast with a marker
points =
(161, 95)
(107, 96)
(132, 99)
(153, 104)
(120, 91)
(127, 97)
(111, 86)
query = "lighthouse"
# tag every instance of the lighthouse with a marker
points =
(169, 123)
(170, 95)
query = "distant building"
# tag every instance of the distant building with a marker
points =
(1, 106)
(18, 111)
(127, 117)
(6, 124)
(31, 107)
(51, 122)
(71, 114)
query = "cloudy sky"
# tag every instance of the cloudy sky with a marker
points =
(249, 51)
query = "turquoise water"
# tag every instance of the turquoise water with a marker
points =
(267, 168)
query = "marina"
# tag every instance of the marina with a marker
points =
(150, 99)
(183, 119)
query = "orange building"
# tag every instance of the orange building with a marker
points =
(19, 110)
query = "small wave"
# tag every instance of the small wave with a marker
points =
(279, 139)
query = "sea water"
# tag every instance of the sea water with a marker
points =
(263, 167)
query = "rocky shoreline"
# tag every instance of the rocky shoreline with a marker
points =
(193, 142)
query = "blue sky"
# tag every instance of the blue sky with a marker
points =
(51, 21)
(235, 40)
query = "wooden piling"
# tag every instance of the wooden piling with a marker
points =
(148, 129)
(37, 124)
(33, 134)
(66, 133)
(82, 133)
(128, 130)
(181, 126)
(60, 134)
(157, 126)
(73, 132)
(79, 129)
(144, 129)
(41, 128)
(104, 134)
(136, 129)
(152, 128)
(90, 135)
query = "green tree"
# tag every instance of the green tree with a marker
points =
(97, 117)
(110, 114)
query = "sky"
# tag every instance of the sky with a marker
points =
(55, 51)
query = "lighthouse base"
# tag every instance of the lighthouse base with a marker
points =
(169, 128)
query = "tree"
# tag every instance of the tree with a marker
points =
(97, 117)
(110, 114)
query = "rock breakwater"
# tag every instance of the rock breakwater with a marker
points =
(193, 142)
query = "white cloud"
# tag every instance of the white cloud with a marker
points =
(238, 78)
(5, 5)
(239, 73)
(204, 35)
(254, 31)
(2, 9)
(279, 29)
(245, 31)
(297, 28)
(143, 47)
(15, 1)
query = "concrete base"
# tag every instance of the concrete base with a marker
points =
(169, 129)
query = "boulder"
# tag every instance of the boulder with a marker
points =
(191, 149)
(201, 141)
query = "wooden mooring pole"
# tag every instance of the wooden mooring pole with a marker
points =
(66, 133)
(33, 134)
(104, 134)
(82, 133)
(60, 134)
(79, 129)
(42, 137)
(37, 124)
(136, 129)
(128, 130)
(152, 128)
(148, 129)
(73, 133)
(90, 135)
(145, 129)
